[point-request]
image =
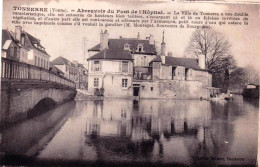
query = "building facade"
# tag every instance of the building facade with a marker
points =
(72, 70)
(10, 46)
(67, 67)
(131, 67)
(21, 46)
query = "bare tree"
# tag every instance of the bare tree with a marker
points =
(216, 49)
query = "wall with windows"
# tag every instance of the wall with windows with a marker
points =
(41, 59)
(114, 76)
(118, 86)
(143, 60)
(106, 66)
(13, 52)
(24, 55)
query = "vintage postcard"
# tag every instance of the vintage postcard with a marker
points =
(129, 83)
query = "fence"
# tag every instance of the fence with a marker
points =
(12, 69)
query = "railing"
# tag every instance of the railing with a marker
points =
(12, 69)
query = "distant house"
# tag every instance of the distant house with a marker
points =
(67, 67)
(56, 70)
(82, 82)
(10, 46)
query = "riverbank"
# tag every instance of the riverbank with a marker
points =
(85, 95)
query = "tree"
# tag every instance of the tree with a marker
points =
(216, 49)
(242, 76)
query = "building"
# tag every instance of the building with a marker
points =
(54, 69)
(67, 67)
(111, 67)
(23, 47)
(73, 71)
(82, 82)
(128, 67)
(10, 46)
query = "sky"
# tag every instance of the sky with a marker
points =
(67, 41)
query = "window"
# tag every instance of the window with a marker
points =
(124, 83)
(35, 60)
(126, 46)
(15, 52)
(96, 66)
(151, 88)
(124, 66)
(96, 81)
(38, 61)
(140, 48)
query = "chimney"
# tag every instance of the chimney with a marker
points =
(138, 36)
(76, 63)
(202, 61)
(151, 39)
(170, 54)
(163, 46)
(18, 32)
(103, 40)
(163, 59)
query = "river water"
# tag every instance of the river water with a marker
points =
(189, 132)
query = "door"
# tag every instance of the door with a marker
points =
(136, 91)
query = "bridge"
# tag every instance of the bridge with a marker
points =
(27, 89)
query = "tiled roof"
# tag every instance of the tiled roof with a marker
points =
(62, 61)
(118, 44)
(180, 61)
(34, 40)
(7, 36)
(112, 55)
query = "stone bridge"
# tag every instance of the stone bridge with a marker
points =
(27, 90)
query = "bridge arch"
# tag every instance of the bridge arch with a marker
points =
(43, 105)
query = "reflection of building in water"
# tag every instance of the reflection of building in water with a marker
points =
(123, 129)
(148, 120)
(114, 121)
(152, 129)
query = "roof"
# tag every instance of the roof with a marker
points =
(6, 36)
(34, 40)
(180, 61)
(112, 55)
(118, 44)
(55, 69)
(62, 61)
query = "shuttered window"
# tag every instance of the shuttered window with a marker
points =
(97, 66)
(124, 66)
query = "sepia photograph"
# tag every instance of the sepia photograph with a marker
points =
(129, 83)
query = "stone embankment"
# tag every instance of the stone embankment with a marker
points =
(85, 95)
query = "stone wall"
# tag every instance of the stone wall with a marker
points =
(174, 89)
(113, 86)
(204, 77)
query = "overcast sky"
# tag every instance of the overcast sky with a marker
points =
(67, 41)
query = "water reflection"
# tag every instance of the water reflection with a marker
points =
(164, 131)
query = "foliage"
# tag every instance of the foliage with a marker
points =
(216, 49)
